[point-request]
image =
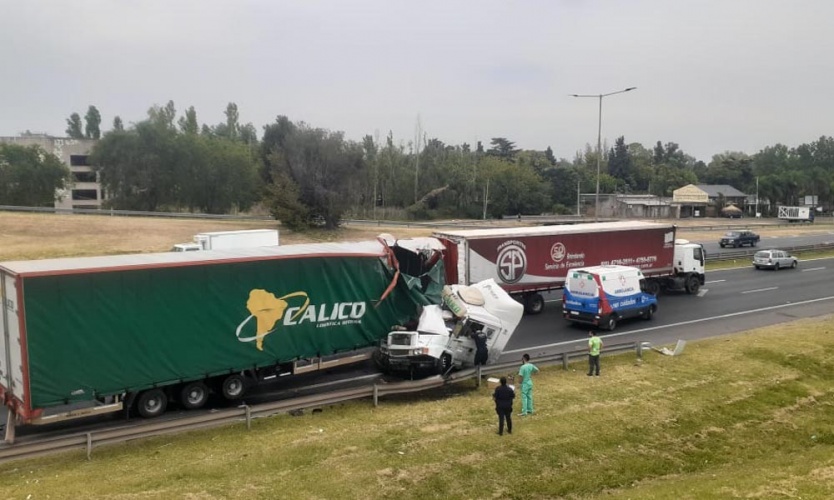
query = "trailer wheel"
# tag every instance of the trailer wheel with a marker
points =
(194, 395)
(611, 324)
(151, 403)
(534, 303)
(233, 387)
(693, 285)
(444, 363)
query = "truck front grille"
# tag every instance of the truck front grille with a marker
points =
(400, 339)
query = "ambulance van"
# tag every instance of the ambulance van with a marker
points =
(603, 295)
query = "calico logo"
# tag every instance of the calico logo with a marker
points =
(270, 311)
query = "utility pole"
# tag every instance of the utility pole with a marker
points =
(577, 197)
(486, 196)
(599, 138)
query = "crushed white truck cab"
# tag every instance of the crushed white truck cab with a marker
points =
(446, 336)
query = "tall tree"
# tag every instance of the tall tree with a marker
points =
(232, 117)
(92, 127)
(118, 126)
(326, 170)
(74, 127)
(620, 165)
(188, 123)
(503, 148)
(163, 116)
(29, 176)
(550, 156)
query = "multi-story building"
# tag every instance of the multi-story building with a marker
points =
(85, 189)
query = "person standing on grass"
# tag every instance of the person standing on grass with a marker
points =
(526, 373)
(594, 346)
(503, 397)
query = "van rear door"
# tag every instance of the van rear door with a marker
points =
(581, 293)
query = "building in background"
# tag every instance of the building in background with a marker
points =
(85, 189)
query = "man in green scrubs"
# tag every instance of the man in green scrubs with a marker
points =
(526, 373)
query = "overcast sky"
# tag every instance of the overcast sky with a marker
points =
(710, 75)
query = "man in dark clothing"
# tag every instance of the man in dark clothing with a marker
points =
(503, 397)
(481, 352)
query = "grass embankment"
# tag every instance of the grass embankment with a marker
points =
(747, 416)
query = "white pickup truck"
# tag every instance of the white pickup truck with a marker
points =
(445, 336)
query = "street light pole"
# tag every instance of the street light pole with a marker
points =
(599, 139)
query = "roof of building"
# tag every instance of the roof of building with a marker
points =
(713, 190)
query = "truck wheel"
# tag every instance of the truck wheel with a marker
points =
(194, 395)
(649, 314)
(611, 324)
(534, 303)
(151, 403)
(233, 387)
(693, 285)
(444, 363)
(653, 287)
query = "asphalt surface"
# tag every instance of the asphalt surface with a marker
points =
(732, 300)
(784, 241)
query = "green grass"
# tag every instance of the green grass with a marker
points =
(746, 416)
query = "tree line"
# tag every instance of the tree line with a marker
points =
(305, 175)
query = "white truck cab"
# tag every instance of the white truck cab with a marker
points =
(445, 337)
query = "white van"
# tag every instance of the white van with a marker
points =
(603, 295)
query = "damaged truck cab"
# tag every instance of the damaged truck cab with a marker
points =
(446, 336)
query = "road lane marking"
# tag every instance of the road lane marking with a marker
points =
(813, 269)
(713, 281)
(584, 340)
(761, 290)
(553, 300)
(702, 292)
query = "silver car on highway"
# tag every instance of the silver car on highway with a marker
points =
(774, 259)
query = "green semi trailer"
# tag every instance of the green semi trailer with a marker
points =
(97, 334)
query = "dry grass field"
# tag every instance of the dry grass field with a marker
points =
(26, 236)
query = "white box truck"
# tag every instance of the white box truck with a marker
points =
(796, 214)
(228, 240)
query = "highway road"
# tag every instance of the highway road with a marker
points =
(783, 241)
(732, 300)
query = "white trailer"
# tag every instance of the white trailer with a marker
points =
(228, 240)
(796, 214)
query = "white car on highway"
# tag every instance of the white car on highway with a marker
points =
(774, 259)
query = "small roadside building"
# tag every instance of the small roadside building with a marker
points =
(706, 200)
(690, 201)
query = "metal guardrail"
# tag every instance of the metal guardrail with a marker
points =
(90, 440)
(746, 254)
(132, 213)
